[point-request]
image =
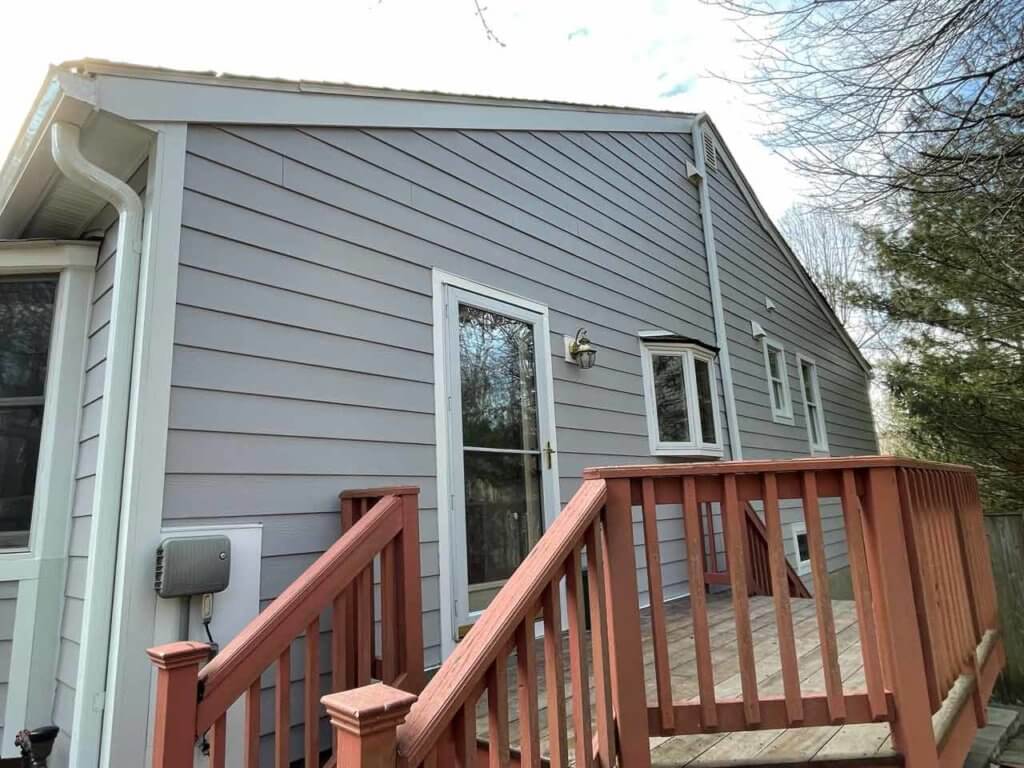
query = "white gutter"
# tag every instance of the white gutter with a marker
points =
(87, 720)
(722, 339)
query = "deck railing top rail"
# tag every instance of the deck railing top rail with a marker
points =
(757, 466)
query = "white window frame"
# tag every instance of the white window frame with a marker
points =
(695, 446)
(781, 412)
(821, 447)
(39, 569)
(797, 530)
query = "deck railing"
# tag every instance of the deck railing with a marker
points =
(916, 548)
(379, 525)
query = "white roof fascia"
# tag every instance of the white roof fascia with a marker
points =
(775, 235)
(142, 97)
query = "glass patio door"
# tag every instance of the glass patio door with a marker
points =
(502, 481)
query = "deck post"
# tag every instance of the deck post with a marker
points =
(177, 696)
(365, 722)
(627, 659)
(411, 623)
(895, 611)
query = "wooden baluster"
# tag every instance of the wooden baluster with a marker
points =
(659, 629)
(923, 515)
(822, 601)
(971, 622)
(698, 605)
(711, 553)
(177, 694)
(732, 519)
(554, 682)
(464, 728)
(853, 523)
(526, 683)
(954, 616)
(991, 616)
(350, 623)
(341, 679)
(976, 630)
(364, 633)
(311, 713)
(956, 575)
(578, 668)
(887, 551)
(282, 710)
(252, 725)
(218, 742)
(919, 556)
(600, 646)
(624, 647)
(388, 614)
(497, 712)
(408, 579)
(780, 596)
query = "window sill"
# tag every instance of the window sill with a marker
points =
(782, 418)
(688, 452)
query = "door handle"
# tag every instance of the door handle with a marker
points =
(548, 450)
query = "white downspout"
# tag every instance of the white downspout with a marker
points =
(721, 337)
(87, 720)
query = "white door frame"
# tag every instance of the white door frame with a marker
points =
(451, 551)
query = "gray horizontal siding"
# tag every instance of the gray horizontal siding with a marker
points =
(303, 337)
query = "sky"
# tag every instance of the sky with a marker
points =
(643, 53)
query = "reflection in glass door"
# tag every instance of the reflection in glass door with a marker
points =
(500, 442)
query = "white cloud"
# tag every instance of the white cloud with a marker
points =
(652, 53)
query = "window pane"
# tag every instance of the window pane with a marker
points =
(26, 314)
(808, 376)
(19, 451)
(774, 366)
(499, 383)
(803, 548)
(504, 514)
(704, 401)
(779, 395)
(670, 397)
(812, 417)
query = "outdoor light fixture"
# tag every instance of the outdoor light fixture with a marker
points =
(579, 350)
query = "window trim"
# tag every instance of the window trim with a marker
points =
(39, 569)
(821, 448)
(781, 413)
(689, 352)
(796, 530)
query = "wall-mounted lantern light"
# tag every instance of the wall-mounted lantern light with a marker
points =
(580, 351)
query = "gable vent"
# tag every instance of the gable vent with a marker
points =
(710, 155)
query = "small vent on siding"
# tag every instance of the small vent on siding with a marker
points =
(710, 156)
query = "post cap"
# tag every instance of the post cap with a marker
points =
(179, 654)
(368, 709)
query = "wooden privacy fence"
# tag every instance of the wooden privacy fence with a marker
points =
(379, 525)
(916, 550)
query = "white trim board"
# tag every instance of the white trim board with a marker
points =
(40, 570)
(147, 94)
(126, 720)
(441, 281)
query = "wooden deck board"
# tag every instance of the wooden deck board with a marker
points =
(834, 744)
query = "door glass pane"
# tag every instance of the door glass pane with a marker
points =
(503, 518)
(670, 397)
(704, 401)
(26, 313)
(19, 451)
(498, 370)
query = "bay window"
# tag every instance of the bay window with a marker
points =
(681, 399)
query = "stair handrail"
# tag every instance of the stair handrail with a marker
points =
(191, 700)
(459, 679)
(230, 672)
